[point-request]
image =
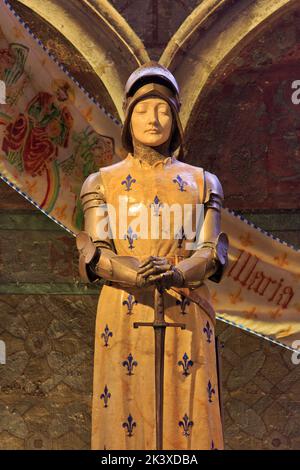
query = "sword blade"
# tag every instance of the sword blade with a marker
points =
(159, 384)
(159, 326)
(159, 332)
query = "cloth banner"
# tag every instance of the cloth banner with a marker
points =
(53, 135)
(260, 289)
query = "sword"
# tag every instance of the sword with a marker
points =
(159, 326)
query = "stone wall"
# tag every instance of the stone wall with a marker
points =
(47, 320)
(47, 323)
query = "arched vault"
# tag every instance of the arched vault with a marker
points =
(210, 37)
(100, 34)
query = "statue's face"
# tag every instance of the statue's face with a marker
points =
(151, 121)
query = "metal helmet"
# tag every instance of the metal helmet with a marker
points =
(152, 79)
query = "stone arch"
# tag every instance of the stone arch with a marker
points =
(243, 125)
(100, 34)
(210, 37)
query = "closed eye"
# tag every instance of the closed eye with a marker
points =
(163, 110)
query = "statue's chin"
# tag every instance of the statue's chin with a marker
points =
(152, 142)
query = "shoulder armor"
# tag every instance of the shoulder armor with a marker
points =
(92, 191)
(92, 184)
(213, 191)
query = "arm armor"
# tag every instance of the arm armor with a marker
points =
(98, 258)
(210, 260)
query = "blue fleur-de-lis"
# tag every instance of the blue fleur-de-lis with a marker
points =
(180, 236)
(106, 335)
(105, 396)
(157, 204)
(181, 183)
(212, 447)
(130, 303)
(129, 425)
(211, 391)
(186, 364)
(128, 181)
(184, 302)
(130, 236)
(130, 364)
(208, 331)
(186, 425)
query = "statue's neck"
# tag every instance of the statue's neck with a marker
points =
(150, 154)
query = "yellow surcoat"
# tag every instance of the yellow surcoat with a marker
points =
(123, 412)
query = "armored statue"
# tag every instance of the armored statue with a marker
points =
(152, 236)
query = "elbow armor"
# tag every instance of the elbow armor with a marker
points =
(98, 258)
(210, 260)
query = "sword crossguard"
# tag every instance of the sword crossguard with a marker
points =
(159, 325)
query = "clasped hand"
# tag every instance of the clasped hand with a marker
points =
(157, 270)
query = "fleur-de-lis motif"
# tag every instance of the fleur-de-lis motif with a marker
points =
(281, 259)
(106, 335)
(186, 364)
(157, 204)
(235, 297)
(275, 313)
(211, 391)
(180, 236)
(130, 303)
(186, 425)
(251, 313)
(130, 236)
(128, 181)
(181, 183)
(208, 331)
(130, 364)
(212, 447)
(129, 425)
(105, 396)
(246, 239)
(184, 302)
